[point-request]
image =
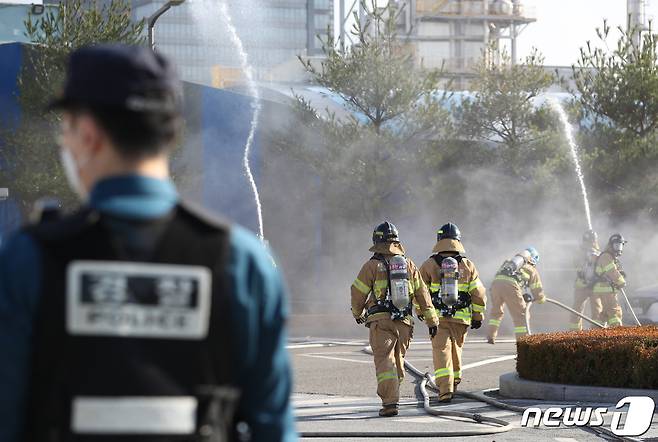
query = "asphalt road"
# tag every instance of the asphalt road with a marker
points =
(335, 392)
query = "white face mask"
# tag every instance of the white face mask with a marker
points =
(71, 171)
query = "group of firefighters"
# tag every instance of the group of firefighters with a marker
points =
(448, 295)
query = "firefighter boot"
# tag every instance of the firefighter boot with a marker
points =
(389, 410)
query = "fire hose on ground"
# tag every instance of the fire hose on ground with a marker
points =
(495, 426)
(428, 382)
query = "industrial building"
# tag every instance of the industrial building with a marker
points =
(453, 33)
(274, 33)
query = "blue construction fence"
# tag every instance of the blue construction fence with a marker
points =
(210, 164)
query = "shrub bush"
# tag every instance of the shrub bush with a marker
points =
(625, 357)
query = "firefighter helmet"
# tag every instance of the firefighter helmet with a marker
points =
(449, 231)
(534, 255)
(385, 232)
(616, 243)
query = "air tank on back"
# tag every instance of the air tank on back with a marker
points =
(449, 281)
(399, 290)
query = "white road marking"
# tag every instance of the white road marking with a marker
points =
(565, 439)
(333, 358)
(488, 361)
(359, 361)
(468, 341)
(294, 346)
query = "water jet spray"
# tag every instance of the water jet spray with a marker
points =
(573, 147)
(255, 105)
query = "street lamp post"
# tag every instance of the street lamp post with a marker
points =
(156, 15)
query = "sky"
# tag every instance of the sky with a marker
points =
(563, 26)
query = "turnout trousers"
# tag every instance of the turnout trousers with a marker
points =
(611, 310)
(580, 297)
(504, 293)
(389, 341)
(447, 348)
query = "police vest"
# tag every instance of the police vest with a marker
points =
(132, 349)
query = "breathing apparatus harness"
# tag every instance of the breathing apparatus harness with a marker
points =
(512, 269)
(587, 272)
(397, 300)
(448, 299)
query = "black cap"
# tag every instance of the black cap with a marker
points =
(118, 76)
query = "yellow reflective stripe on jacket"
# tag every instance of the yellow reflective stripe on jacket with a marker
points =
(599, 288)
(457, 374)
(463, 314)
(536, 285)
(477, 308)
(476, 283)
(463, 287)
(435, 287)
(506, 278)
(605, 269)
(417, 283)
(360, 286)
(380, 286)
(442, 372)
(387, 375)
(522, 329)
(494, 322)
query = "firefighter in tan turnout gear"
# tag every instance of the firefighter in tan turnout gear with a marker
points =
(382, 297)
(585, 263)
(609, 279)
(459, 298)
(516, 284)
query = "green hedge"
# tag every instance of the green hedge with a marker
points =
(625, 357)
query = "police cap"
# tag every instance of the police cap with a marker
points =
(122, 77)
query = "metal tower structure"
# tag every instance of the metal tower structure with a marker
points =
(638, 20)
(450, 33)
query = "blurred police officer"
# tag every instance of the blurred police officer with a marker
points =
(137, 317)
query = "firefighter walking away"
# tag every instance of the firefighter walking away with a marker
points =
(459, 298)
(382, 297)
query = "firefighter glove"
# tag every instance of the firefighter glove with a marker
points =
(475, 324)
(360, 320)
(433, 329)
